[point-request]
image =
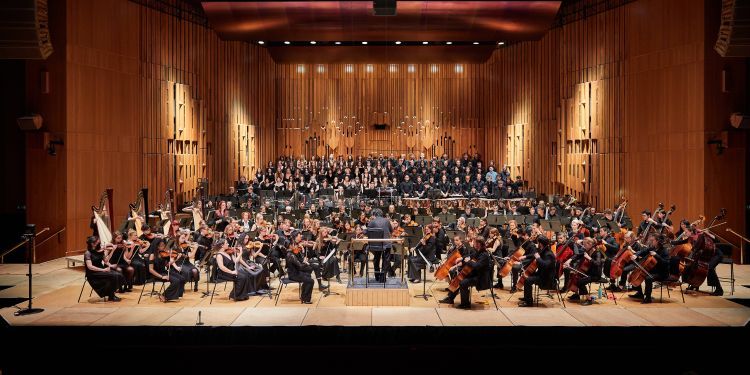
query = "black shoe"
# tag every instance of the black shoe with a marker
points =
(563, 290)
(446, 290)
(524, 303)
(417, 281)
(646, 300)
(513, 290)
(307, 302)
(498, 286)
(575, 297)
(338, 280)
(616, 288)
(447, 300)
(115, 299)
(718, 292)
(261, 291)
(464, 306)
(322, 288)
(586, 302)
(637, 295)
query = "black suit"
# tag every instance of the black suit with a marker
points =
(479, 277)
(544, 276)
(379, 250)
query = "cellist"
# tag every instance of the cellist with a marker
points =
(610, 251)
(479, 277)
(691, 235)
(594, 272)
(660, 272)
(545, 272)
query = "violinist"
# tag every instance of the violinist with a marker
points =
(228, 262)
(299, 269)
(660, 272)
(595, 259)
(479, 277)
(188, 270)
(396, 259)
(117, 257)
(406, 221)
(325, 244)
(219, 217)
(162, 267)
(495, 248)
(426, 247)
(136, 257)
(484, 229)
(102, 277)
(441, 240)
(203, 242)
(545, 273)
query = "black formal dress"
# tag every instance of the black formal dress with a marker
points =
(104, 283)
(242, 285)
(176, 287)
(300, 272)
(416, 262)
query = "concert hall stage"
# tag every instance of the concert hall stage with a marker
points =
(329, 324)
(56, 289)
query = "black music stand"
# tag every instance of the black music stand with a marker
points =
(427, 263)
(30, 239)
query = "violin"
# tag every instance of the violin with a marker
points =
(169, 253)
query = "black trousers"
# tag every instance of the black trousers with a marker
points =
(515, 273)
(582, 282)
(712, 278)
(528, 287)
(464, 290)
(307, 284)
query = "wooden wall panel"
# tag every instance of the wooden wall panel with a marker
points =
(330, 109)
(618, 101)
(149, 100)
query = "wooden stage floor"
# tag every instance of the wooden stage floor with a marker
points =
(56, 289)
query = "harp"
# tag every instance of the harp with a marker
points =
(166, 214)
(138, 211)
(197, 212)
(104, 217)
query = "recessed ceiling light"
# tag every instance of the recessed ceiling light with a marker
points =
(312, 42)
(476, 42)
(448, 42)
(338, 42)
(364, 42)
(287, 42)
(425, 42)
(500, 43)
(261, 42)
(398, 42)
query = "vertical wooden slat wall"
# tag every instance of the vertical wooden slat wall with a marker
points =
(331, 108)
(210, 95)
(589, 109)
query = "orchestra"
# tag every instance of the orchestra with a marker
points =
(475, 226)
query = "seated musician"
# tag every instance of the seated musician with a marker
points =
(299, 269)
(204, 242)
(525, 239)
(407, 221)
(102, 277)
(163, 267)
(324, 244)
(480, 276)
(691, 235)
(426, 247)
(594, 272)
(245, 223)
(545, 273)
(230, 268)
(458, 245)
(189, 271)
(119, 256)
(654, 247)
(460, 224)
(609, 242)
(357, 256)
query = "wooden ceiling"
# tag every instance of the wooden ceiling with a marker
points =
(353, 22)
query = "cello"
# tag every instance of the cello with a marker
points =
(442, 272)
(579, 271)
(620, 236)
(684, 250)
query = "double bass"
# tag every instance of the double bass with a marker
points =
(704, 248)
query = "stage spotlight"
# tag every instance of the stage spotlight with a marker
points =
(312, 42)
(287, 42)
(425, 42)
(476, 42)
(448, 42)
(261, 42)
(398, 42)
